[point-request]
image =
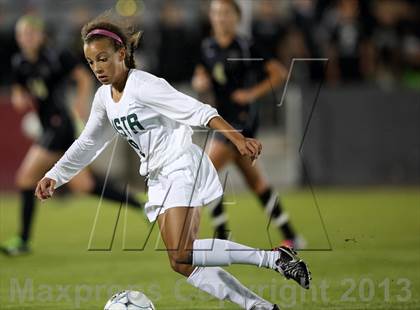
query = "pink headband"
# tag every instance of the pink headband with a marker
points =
(106, 33)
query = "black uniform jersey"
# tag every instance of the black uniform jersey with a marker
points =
(238, 66)
(45, 80)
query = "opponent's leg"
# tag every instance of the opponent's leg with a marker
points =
(87, 182)
(220, 154)
(179, 228)
(267, 196)
(36, 162)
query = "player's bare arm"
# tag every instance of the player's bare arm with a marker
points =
(276, 72)
(84, 86)
(246, 146)
(21, 99)
(201, 81)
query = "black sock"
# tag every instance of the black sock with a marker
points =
(27, 213)
(112, 193)
(219, 221)
(268, 198)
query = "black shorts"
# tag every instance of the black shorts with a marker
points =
(57, 139)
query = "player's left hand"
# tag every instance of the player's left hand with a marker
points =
(250, 147)
(243, 96)
(45, 188)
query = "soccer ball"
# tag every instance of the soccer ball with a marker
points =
(129, 300)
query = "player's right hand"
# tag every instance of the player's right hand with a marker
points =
(21, 99)
(45, 188)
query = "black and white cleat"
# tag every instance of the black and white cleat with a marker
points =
(292, 267)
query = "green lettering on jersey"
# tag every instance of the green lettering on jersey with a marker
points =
(119, 128)
(133, 123)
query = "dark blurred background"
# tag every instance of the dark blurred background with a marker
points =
(362, 128)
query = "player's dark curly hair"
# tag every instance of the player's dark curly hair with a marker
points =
(128, 34)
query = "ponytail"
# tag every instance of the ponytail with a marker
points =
(133, 43)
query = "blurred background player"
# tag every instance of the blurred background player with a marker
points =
(238, 74)
(40, 74)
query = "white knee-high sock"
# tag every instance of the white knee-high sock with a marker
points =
(222, 285)
(217, 252)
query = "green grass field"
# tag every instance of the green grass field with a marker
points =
(374, 262)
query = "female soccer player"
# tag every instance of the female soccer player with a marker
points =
(40, 75)
(155, 119)
(238, 74)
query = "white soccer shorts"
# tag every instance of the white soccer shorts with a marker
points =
(189, 181)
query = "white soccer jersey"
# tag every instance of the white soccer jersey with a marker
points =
(151, 115)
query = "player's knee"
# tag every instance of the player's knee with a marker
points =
(82, 186)
(258, 187)
(23, 180)
(182, 256)
(176, 266)
(76, 189)
(181, 268)
(181, 262)
(18, 180)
